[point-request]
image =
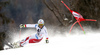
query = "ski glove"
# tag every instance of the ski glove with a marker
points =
(47, 41)
(22, 26)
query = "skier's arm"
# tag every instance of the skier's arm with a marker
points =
(46, 35)
(28, 25)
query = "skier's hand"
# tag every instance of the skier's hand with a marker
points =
(22, 26)
(47, 41)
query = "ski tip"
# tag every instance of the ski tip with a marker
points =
(61, 1)
(84, 32)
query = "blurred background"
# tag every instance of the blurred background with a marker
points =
(55, 14)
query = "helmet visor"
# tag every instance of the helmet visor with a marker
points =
(40, 24)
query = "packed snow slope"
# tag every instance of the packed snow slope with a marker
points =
(73, 44)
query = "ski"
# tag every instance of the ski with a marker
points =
(13, 45)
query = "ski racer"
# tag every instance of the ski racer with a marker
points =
(37, 37)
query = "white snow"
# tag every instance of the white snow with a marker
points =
(76, 44)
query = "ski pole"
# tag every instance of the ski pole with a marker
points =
(19, 34)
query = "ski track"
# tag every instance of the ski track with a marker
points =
(85, 44)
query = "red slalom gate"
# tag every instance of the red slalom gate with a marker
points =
(78, 17)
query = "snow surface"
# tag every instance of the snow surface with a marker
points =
(76, 44)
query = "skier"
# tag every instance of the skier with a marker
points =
(35, 38)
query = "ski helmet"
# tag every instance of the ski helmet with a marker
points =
(40, 22)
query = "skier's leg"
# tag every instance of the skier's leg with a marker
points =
(24, 43)
(27, 40)
(35, 40)
(24, 40)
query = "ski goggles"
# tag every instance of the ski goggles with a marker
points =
(41, 24)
